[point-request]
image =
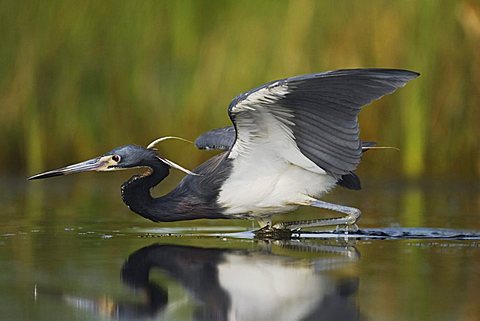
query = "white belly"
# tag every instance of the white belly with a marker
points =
(260, 189)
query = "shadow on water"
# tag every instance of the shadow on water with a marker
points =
(398, 233)
(233, 284)
(386, 233)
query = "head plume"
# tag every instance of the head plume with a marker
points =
(151, 146)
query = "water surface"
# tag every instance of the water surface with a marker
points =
(70, 250)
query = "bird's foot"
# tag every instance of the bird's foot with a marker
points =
(269, 232)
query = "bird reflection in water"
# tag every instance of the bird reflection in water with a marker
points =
(227, 284)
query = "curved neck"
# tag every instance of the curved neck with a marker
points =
(136, 191)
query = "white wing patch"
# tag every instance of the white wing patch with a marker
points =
(262, 125)
(269, 171)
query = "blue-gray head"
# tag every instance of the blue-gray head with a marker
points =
(123, 157)
(120, 158)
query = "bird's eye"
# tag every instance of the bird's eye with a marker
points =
(116, 158)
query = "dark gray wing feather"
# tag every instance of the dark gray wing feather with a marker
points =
(317, 111)
(220, 138)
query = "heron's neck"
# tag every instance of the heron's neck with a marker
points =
(136, 191)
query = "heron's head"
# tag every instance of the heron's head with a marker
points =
(123, 157)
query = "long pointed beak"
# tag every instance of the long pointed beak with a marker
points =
(95, 164)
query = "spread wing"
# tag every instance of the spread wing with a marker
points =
(311, 120)
(220, 138)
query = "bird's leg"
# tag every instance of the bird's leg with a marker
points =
(264, 222)
(348, 221)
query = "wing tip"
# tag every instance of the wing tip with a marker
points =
(410, 74)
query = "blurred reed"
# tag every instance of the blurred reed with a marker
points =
(80, 77)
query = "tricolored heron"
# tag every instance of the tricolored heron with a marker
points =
(292, 141)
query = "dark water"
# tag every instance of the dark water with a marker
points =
(70, 250)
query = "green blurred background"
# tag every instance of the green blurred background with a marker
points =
(78, 78)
